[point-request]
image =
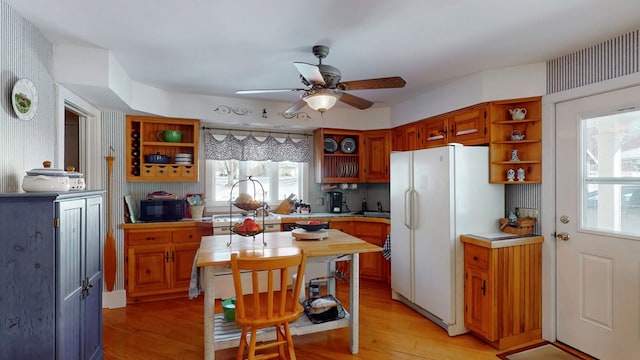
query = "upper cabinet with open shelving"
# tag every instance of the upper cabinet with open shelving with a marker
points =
(516, 143)
(338, 155)
(176, 158)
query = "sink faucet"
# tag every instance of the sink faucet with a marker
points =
(379, 206)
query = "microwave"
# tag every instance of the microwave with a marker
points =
(161, 210)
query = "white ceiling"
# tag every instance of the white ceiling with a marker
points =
(216, 47)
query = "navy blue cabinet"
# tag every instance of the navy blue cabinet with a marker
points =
(51, 275)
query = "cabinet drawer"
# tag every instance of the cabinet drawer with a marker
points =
(190, 235)
(476, 256)
(148, 237)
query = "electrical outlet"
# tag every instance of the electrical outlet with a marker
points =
(320, 201)
(527, 212)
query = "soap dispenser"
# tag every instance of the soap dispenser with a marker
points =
(364, 204)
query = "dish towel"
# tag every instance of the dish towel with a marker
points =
(386, 248)
(194, 285)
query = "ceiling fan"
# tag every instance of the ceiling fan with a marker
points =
(324, 88)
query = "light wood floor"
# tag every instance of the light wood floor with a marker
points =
(173, 329)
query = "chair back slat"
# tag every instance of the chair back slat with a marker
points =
(272, 303)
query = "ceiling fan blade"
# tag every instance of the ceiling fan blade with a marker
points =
(257, 91)
(355, 101)
(297, 106)
(380, 83)
(310, 72)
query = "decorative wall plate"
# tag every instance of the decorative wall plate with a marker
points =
(24, 99)
(348, 145)
(330, 145)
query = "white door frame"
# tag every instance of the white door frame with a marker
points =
(90, 136)
(547, 214)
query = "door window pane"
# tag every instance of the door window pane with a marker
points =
(611, 173)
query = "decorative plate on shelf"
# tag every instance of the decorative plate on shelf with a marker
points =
(330, 145)
(24, 99)
(348, 145)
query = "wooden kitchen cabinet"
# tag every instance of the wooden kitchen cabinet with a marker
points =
(407, 137)
(335, 163)
(159, 259)
(372, 265)
(503, 289)
(344, 226)
(466, 126)
(377, 156)
(502, 144)
(51, 277)
(141, 139)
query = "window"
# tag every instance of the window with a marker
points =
(278, 179)
(611, 173)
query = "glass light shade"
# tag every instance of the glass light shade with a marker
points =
(321, 100)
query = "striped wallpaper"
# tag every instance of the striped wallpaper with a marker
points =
(24, 53)
(610, 59)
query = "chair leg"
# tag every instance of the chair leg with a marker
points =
(242, 345)
(252, 344)
(287, 334)
(279, 338)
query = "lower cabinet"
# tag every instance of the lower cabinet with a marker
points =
(503, 290)
(51, 275)
(159, 259)
(372, 265)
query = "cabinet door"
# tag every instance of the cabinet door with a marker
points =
(344, 226)
(71, 279)
(371, 264)
(377, 155)
(182, 256)
(149, 269)
(435, 131)
(469, 126)
(406, 137)
(92, 316)
(477, 316)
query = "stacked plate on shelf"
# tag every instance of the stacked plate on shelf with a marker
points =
(184, 159)
(348, 169)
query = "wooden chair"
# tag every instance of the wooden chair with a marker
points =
(255, 310)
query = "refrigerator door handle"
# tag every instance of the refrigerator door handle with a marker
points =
(407, 209)
(414, 208)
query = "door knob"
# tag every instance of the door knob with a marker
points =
(563, 236)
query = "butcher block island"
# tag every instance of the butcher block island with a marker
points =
(214, 256)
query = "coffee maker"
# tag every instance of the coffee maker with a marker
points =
(334, 201)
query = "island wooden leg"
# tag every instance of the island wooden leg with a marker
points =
(209, 316)
(354, 298)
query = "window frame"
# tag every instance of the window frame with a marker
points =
(215, 206)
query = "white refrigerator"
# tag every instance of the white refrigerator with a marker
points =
(436, 195)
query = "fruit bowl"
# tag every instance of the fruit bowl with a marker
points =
(249, 206)
(312, 225)
(247, 228)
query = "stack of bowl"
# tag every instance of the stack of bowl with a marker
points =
(184, 159)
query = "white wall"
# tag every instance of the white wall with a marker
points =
(505, 83)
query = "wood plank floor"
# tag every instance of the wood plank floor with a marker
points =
(173, 329)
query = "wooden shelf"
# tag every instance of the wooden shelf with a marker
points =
(228, 333)
(501, 145)
(142, 140)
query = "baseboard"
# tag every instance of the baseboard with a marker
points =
(114, 299)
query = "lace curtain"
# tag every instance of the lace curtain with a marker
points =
(227, 146)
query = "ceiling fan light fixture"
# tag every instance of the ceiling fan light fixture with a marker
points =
(321, 100)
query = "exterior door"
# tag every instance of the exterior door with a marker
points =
(598, 224)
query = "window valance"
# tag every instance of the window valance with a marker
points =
(227, 146)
